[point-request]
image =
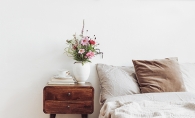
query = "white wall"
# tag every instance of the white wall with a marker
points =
(33, 35)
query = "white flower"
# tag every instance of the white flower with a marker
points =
(81, 51)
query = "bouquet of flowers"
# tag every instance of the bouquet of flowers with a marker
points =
(82, 48)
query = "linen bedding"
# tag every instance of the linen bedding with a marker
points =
(150, 105)
(148, 89)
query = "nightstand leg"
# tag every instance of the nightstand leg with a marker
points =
(84, 115)
(52, 115)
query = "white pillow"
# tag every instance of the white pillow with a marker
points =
(116, 81)
(188, 73)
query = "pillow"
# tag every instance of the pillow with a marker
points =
(188, 73)
(160, 75)
(116, 81)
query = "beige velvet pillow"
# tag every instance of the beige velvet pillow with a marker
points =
(160, 75)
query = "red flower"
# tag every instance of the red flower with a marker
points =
(92, 42)
(74, 47)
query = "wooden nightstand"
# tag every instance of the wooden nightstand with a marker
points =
(68, 99)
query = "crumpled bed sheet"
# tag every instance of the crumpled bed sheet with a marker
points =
(150, 105)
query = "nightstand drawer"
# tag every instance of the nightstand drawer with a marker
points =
(68, 99)
(60, 107)
(65, 94)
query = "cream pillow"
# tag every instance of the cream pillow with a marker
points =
(188, 74)
(116, 81)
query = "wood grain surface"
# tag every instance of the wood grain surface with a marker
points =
(68, 99)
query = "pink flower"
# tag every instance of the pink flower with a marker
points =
(84, 41)
(90, 54)
(81, 51)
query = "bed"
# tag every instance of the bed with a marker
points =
(160, 88)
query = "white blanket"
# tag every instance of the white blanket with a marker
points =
(148, 109)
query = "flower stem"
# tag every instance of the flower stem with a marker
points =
(83, 27)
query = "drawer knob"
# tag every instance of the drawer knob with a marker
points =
(69, 94)
(68, 106)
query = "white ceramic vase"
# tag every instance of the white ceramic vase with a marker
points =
(81, 72)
